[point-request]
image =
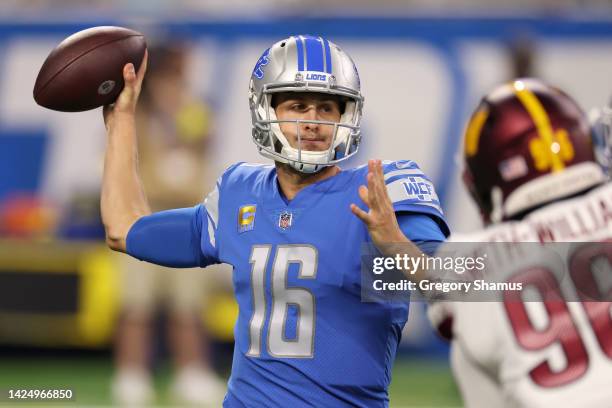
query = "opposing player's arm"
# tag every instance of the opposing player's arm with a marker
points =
(478, 388)
(440, 315)
(123, 200)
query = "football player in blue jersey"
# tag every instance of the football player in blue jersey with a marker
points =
(293, 231)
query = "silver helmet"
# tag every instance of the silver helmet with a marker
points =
(304, 63)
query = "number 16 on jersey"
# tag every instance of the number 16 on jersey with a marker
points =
(302, 346)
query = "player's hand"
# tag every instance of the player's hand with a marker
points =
(380, 219)
(128, 98)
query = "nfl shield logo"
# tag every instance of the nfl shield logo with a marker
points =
(284, 220)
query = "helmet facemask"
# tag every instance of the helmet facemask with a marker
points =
(273, 143)
(305, 64)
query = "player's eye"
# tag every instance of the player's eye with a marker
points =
(298, 106)
(328, 108)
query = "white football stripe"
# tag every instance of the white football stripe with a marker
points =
(211, 233)
(212, 204)
(409, 172)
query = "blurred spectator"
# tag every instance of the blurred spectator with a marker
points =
(521, 52)
(174, 128)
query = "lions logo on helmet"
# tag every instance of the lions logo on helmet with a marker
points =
(263, 60)
(537, 140)
(305, 63)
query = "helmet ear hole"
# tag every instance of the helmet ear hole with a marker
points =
(278, 146)
(342, 104)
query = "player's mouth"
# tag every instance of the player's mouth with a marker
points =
(314, 144)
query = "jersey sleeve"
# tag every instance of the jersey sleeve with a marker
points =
(421, 229)
(170, 238)
(412, 192)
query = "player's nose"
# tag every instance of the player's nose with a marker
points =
(311, 114)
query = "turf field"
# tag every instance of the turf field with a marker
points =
(416, 383)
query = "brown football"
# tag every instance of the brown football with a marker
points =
(86, 69)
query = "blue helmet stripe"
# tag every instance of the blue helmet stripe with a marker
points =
(314, 54)
(328, 61)
(300, 52)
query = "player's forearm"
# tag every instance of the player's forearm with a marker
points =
(123, 200)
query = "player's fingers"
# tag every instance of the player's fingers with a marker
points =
(373, 174)
(378, 169)
(129, 91)
(106, 111)
(362, 215)
(380, 183)
(371, 166)
(129, 75)
(143, 66)
(141, 72)
(364, 195)
(372, 192)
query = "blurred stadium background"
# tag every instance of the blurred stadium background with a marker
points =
(423, 64)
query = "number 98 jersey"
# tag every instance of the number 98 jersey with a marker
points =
(303, 335)
(555, 353)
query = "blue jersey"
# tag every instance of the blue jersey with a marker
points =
(303, 335)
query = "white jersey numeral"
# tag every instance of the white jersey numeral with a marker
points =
(282, 298)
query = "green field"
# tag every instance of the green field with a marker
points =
(416, 383)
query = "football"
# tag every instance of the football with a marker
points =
(85, 70)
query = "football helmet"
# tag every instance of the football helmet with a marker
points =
(527, 144)
(601, 123)
(304, 63)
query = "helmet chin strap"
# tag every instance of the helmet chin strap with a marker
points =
(307, 155)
